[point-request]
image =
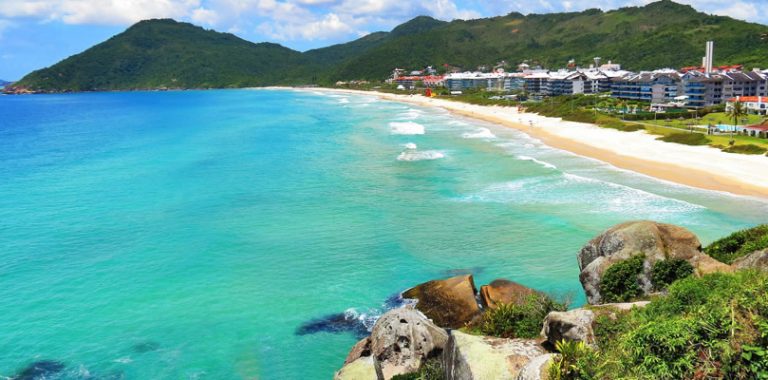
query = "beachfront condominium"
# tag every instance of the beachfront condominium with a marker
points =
(709, 89)
(661, 86)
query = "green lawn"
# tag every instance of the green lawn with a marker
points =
(713, 118)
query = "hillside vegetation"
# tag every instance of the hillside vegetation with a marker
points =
(165, 53)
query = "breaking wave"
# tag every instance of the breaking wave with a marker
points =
(406, 128)
(542, 163)
(481, 133)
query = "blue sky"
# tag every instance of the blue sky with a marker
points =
(38, 33)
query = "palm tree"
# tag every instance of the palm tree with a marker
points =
(736, 112)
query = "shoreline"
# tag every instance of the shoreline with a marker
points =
(695, 166)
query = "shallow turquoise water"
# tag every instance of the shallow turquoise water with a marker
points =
(191, 235)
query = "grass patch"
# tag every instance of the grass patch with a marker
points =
(745, 149)
(431, 369)
(738, 244)
(620, 281)
(712, 327)
(686, 138)
(620, 125)
(519, 320)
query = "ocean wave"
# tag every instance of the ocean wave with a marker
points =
(343, 100)
(582, 195)
(410, 145)
(414, 155)
(542, 163)
(406, 128)
(481, 133)
(410, 114)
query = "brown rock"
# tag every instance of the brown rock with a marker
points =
(573, 325)
(360, 349)
(655, 241)
(482, 357)
(504, 291)
(449, 303)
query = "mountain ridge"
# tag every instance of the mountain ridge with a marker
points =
(164, 53)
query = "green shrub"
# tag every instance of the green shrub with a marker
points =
(738, 244)
(519, 320)
(745, 149)
(686, 138)
(619, 125)
(431, 369)
(666, 272)
(664, 348)
(620, 281)
(577, 361)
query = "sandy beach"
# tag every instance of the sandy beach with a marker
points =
(697, 166)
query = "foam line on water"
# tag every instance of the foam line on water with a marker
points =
(406, 128)
(542, 163)
(480, 133)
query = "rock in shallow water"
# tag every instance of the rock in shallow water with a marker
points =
(40, 370)
(334, 323)
(449, 303)
(503, 291)
(402, 339)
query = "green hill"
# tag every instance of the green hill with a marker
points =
(165, 53)
(661, 34)
(170, 54)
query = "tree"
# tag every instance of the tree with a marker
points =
(736, 112)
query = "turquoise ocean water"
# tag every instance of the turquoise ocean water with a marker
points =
(219, 234)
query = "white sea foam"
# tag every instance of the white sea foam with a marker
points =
(481, 133)
(414, 155)
(406, 128)
(410, 146)
(124, 360)
(542, 163)
(343, 100)
(583, 195)
(410, 114)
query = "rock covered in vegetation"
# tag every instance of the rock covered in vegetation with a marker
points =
(402, 339)
(755, 260)
(650, 240)
(470, 357)
(537, 368)
(574, 325)
(449, 303)
(503, 291)
(359, 369)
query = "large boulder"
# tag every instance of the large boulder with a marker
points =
(655, 241)
(449, 303)
(471, 357)
(360, 369)
(504, 292)
(537, 368)
(755, 260)
(361, 349)
(402, 339)
(572, 325)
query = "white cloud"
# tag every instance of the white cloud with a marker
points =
(100, 12)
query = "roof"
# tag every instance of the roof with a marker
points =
(749, 99)
(757, 127)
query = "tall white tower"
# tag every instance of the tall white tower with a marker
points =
(709, 57)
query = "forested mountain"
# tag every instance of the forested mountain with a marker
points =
(166, 53)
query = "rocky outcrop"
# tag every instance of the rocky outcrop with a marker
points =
(470, 357)
(361, 349)
(574, 325)
(504, 292)
(537, 368)
(360, 369)
(755, 260)
(449, 303)
(402, 339)
(655, 241)
(621, 306)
